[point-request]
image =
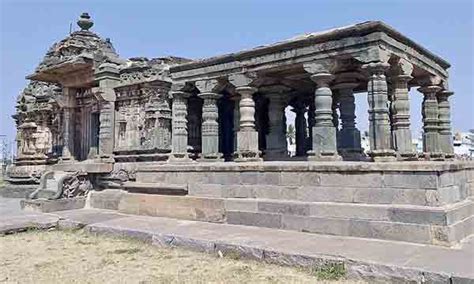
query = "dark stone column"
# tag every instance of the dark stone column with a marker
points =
(324, 132)
(444, 116)
(210, 127)
(301, 126)
(430, 112)
(349, 135)
(379, 124)
(179, 126)
(277, 148)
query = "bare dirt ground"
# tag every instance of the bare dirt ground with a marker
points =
(76, 257)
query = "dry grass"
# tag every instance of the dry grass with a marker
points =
(75, 257)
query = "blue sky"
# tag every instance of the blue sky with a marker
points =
(197, 29)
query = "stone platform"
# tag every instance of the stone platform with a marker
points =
(419, 202)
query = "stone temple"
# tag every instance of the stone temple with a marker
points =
(206, 139)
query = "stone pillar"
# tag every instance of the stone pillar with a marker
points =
(108, 78)
(210, 128)
(430, 114)
(277, 148)
(300, 128)
(247, 136)
(324, 132)
(444, 117)
(379, 124)
(179, 138)
(349, 135)
(401, 117)
(68, 124)
(236, 129)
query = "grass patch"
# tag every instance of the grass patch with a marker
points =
(330, 271)
(46, 257)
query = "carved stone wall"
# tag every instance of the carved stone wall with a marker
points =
(38, 122)
(143, 118)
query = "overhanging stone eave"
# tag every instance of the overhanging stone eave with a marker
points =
(53, 73)
(335, 34)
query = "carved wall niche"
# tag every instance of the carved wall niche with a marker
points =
(143, 119)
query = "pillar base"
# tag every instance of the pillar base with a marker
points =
(383, 155)
(434, 156)
(179, 158)
(247, 146)
(407, 156)
(214, 157)
(323, 156)
(247, 156)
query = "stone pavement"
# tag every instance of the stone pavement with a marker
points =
(363, 258)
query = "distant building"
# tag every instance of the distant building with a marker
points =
(463, 143)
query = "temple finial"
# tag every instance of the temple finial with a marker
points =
(85, 22)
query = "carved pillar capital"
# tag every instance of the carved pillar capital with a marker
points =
(242, 79)
(376, 68)
(209, 86)
(322, 79)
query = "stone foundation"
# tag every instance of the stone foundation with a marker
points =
(428, 203)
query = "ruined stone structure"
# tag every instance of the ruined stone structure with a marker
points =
(212, 133)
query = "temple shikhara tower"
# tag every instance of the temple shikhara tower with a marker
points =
(207, 139)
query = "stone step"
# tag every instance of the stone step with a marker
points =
(415, 233)
(417, 224)
(446, 215)
(155, 188)
(179, 207)
(341, 194)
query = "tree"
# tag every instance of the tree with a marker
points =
(290, 133)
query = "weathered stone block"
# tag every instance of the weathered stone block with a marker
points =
(249, 178)
(417, 180)
(414, 233)
(207, 190)
(316, 225)
(309, 178)
(239, 251)
(269, 191)
(269, 178)
(418, 216)
(389, 196)
(346, 210)
(240, 191)
(460, 212)
(365, 180)
(321, 194)
(254, 219)
(106, 199)
(179, 207)
(42, 205)
(225, 178)
(284, 207)
(247, 205)
(290, 178)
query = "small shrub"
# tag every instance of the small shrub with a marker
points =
(330, 271)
